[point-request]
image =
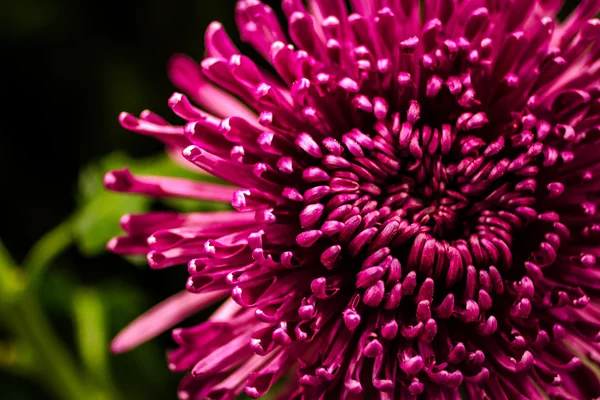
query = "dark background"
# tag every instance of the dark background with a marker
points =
(68, 68)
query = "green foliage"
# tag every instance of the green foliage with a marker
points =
(97, 219)
(42, 291)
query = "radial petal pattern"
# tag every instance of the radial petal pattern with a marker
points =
(415, 187)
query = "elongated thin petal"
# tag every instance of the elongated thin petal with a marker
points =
(162, 317)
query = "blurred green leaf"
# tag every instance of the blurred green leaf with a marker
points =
(97, 218)
(92, 336)
(97, 221)
(193, 205)
(12, 280)
(45, 250)
(11, 356)
(92, 340)
(24, 317)
(145, 363)
(52, 362)
(96, 312)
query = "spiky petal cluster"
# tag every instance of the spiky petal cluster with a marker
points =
(415, 203)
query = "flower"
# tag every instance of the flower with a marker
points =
(415, 194)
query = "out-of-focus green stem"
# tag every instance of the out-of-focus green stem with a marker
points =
(47, 249)
(25, 318)
(53, 364)
(92, 339)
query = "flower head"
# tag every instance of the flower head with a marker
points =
(415, 203)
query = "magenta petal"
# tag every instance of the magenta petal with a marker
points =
(415, 211)
(161, 317)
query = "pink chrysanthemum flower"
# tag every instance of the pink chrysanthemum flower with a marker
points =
(415, 203)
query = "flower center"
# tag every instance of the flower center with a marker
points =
(426, 197)
(435, 199)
